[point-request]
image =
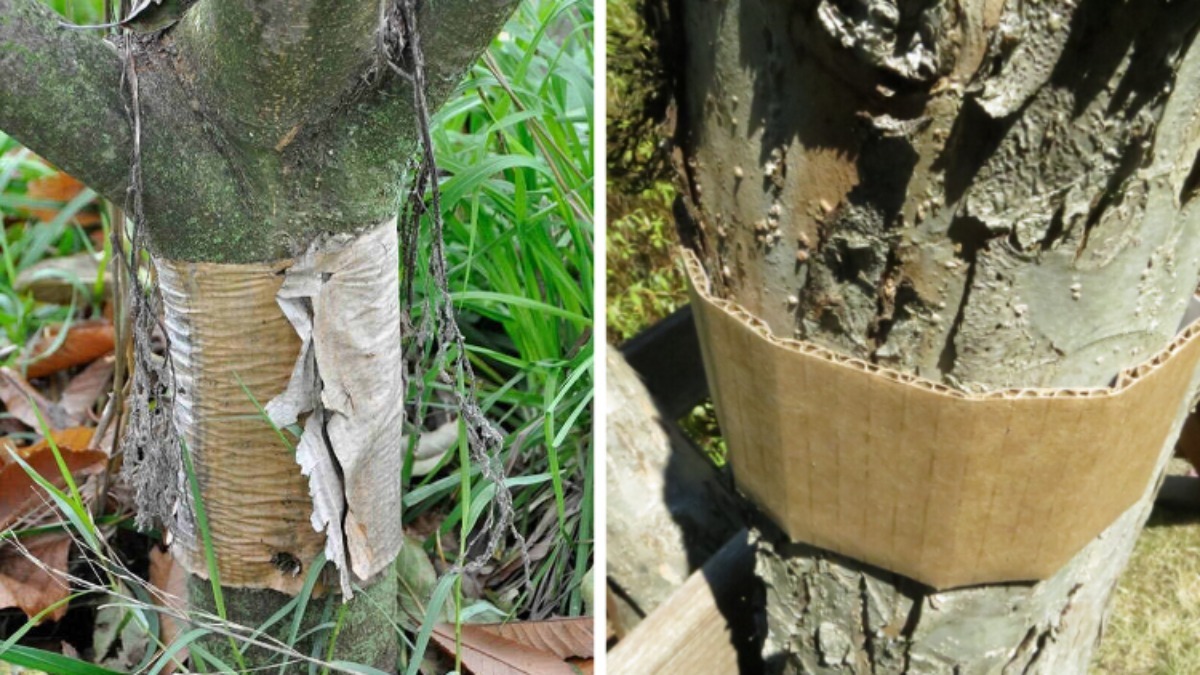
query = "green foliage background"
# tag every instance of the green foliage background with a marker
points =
(644, 281)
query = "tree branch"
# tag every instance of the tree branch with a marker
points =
(62, 97)
(454, 34)
(376, 133)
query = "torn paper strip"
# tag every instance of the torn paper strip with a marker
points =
(342, 299)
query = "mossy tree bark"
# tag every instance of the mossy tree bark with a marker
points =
(264, 125)
(987, 193)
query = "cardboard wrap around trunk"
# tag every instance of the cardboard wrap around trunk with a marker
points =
(944, 487)
(316, 341)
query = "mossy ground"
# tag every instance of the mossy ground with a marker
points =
(365, 637)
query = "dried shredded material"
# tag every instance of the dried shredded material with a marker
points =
(342, 299)
(401, 47)
(153, 453)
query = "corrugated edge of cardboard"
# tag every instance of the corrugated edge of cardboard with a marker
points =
(945, 487)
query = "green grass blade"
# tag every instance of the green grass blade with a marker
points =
(262, 413)
(198, 650)
(51, 662)
(433, 612)
(179, 644)
(301, 606)
(210, 556)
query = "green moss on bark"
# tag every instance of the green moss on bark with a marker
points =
(366, 637)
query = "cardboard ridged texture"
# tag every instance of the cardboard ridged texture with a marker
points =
(316, 341)
(948, 488)
(254, 494)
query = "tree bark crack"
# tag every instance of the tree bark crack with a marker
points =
(949, 355)
(910, 625)
(868, 646)
(891, 300)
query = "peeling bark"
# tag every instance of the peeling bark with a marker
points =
(991, 194)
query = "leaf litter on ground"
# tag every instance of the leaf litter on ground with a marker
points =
(83, 343)
(27, 572)
(62, 188)
(20, 398)
(550, 646)
(64, 279)
(26, 584)
(170, 578)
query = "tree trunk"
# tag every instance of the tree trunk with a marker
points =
(988, 194)
(266, 129)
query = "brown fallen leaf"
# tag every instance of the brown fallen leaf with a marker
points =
(76, 401)
(25, 584)
(485, 653)
(19, 494)
(171, 579)
(59, 187)
(70, 440)
(85, 342)
(20, 397)
(566, 638)
(79, 396)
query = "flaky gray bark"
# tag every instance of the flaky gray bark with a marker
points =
(264, 125)
(991, 194)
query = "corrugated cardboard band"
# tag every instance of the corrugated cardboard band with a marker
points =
(903, 473)
(317, 341)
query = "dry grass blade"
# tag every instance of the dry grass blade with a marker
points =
(103, 563)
